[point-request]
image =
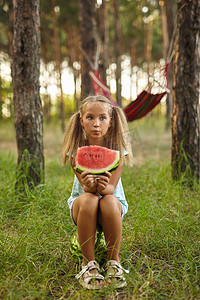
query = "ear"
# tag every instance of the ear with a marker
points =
(81, 121)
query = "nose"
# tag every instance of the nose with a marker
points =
(96, 123)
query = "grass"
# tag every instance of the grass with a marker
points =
(161, 237)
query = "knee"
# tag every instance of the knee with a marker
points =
(110, 205)
(89, 204)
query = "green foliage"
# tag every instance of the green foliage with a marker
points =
(157, 39)
(133, 37)
(68, 15)
(35, 234)
(164, 218)
(69, 12)
(6, 95)
(183, 168)
(69, 103)
(4, 21)
(29, 173)
(160, 243)
(133, 26)
(100, 249)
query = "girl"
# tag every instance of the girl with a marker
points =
(98, 202)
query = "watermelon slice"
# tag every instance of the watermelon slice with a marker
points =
(96, 159)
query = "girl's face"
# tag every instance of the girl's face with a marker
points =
(96, 121)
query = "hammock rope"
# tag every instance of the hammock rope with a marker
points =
(145, 101)
(136, 109)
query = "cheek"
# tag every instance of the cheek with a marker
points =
(84, 122)
(107, 126)
(109, 123)
(86, 125)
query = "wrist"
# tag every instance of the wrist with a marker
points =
(89, 190)
(108, 190)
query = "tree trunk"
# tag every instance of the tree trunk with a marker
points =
(148, 48)
(165, 37)
(185, 112)
(57, 58)
(170, 14)
(46, 98)
(10, 29)
(88, 44)
(133, 47)
(104, 34)
(72, 45)
(27, 103)
(45, 40)
(117, 53)
(10, 43)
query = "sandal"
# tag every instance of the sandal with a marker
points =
(115, 270)
(87, 279)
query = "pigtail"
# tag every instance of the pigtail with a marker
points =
(112, 137)
(73, 138)
(119, 138)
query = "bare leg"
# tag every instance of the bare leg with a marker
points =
(85, 212)
(110, 211)
(110, 218)
(85, 209)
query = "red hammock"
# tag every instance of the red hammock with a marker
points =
(144, 103)
(138, 108)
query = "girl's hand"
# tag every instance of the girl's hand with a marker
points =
(102, 181)
(89, 182)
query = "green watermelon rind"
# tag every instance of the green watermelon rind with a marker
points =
(111, 168)
(102, 172)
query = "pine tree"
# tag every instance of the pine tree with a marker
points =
(185, 112)
(27, 103)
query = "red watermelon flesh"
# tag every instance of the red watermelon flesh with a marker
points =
(96, 159)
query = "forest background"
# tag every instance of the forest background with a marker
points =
(143, 48)
(161, 231)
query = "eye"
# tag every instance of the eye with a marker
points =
(90, 117)
(102, 118)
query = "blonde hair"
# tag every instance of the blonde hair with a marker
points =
(116, 138)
